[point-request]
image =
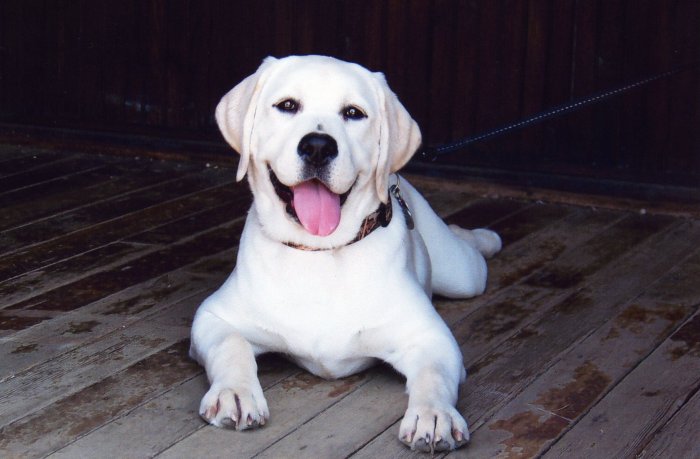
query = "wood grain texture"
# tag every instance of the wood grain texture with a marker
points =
(588, 324)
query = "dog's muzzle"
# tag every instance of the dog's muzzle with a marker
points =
(311, 204)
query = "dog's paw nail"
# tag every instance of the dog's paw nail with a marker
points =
(229, 423)
(457, 435)
(249, 420)
(209, 414)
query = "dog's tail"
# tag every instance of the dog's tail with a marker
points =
(487, 242)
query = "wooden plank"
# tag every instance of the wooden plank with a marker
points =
(537, 247)
(558, 79)
(89, 58)
(294, 401)
(113, 71)
(158, 424)
(485, 212)
(621, 238)
(414, 55)
(104, 283)
(466, 37)
(583, 83)
(80, 189)
(610, 52)
(51, 381)
(332, 433)
(53, 276)
(69, 164)
(552, 403)
(526, 337)
(445, 204)
(68, 419)
(233, 208)
(684, 110)
(535, 73)
(532, 218)
(506, 310)
(627, 418)
(64, 332)
(64, 273)
(104, 211)
(528, 255)
(509, 368)
(679, 436)
(31, 199)
(34, 390)
(14, 160)
(444, 26)
(147, 214)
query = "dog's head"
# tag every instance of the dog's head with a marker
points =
(318, 138)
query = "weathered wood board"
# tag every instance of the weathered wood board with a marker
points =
(584, 345)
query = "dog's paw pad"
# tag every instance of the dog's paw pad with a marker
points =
(235, 409)
(431, 429)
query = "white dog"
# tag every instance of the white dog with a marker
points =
(330, 270)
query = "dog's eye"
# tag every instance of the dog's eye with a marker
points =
(353, 113)
(288, 106)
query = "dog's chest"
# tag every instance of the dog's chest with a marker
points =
(328, 341)
(318, 307)
(319, 312)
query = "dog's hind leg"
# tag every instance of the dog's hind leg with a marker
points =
(235, 399)
(487, 242)
(458, 268)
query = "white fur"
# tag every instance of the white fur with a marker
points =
(336, 311)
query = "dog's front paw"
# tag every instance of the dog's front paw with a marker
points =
(432, 429)
(231, 408)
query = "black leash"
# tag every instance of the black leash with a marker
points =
(430, 154)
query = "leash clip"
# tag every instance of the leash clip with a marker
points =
(396, 192)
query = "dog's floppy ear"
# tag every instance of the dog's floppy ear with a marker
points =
(399, 136)
(235, 114)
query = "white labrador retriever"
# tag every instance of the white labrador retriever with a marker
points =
(330, 271)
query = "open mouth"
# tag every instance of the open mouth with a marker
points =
(312, 204)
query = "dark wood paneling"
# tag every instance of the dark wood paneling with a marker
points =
(159, 67)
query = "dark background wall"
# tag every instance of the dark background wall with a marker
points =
(157, 68)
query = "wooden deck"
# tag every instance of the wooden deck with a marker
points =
(586, 344)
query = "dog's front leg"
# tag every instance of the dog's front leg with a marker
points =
(235, 399)
(433, 370)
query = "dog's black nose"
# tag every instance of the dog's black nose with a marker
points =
(317, 149)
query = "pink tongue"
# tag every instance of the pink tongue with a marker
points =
(317, 207)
